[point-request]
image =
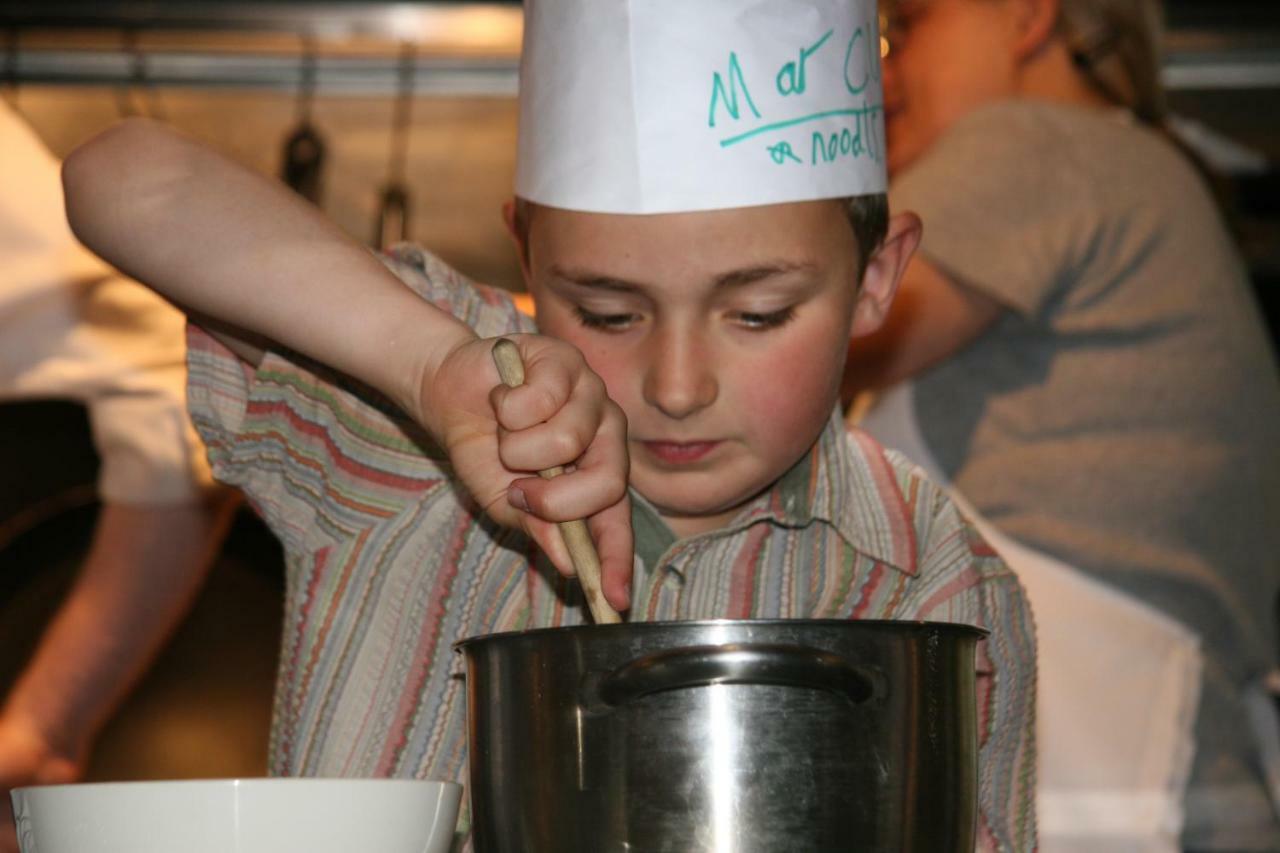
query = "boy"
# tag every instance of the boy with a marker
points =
(696, 278)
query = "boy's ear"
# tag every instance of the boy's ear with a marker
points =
(1037, 22)
(884, 271)
(519, 238)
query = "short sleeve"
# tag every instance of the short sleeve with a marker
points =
(320, 456)
(490, 311)
(997, 217)
(965, 581)
(150, 453)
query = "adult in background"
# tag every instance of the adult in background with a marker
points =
(72, 328)
(1089, 367)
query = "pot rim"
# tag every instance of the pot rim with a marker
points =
(909, 626)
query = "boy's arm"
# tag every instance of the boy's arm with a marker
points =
(251, 258)
(245, 253)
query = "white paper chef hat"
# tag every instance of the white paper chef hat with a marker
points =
(655, 106)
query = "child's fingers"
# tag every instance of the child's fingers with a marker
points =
(612, 532)
(547, 535)
(550, 374)
(564, 437)
(562, 416)
(577, 494)
(597, 481)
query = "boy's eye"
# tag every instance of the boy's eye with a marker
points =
(608, 322)
(770, 320)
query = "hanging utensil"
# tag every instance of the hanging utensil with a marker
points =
(393, 204)
(304, 149)
(577, 538)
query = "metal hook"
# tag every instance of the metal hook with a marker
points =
(402, 116)
(394, 208)
(307, 78)
(304, 149)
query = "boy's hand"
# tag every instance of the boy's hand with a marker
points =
(498, 438)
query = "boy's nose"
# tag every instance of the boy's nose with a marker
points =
(681, 378)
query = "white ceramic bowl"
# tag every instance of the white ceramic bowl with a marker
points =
(239, 816)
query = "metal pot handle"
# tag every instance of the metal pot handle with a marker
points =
(737, 663)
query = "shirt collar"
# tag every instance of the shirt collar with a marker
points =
(845, 481)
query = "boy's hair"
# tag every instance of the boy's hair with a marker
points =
(868, 215)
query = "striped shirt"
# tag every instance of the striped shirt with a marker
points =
(389, 562)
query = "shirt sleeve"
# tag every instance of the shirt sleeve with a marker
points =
(997, 217)
(965, 581)
(150, 453)
(320, 456)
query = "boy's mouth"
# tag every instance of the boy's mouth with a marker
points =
(679, 452)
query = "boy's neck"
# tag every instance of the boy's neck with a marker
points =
(685, 527)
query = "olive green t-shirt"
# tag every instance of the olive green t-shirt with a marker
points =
(1124, 413)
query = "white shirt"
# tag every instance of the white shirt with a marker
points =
(73, 328)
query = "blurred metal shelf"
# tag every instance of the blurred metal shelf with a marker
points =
(414, 21)
(1211, 57)
(445, 75)
(1251, 68)
(344, 75)
(462, 48)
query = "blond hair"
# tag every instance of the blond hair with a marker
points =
(1116, 46)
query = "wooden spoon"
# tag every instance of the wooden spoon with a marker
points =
(577, 538)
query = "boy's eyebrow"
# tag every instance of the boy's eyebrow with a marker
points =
(731, 279)
(594, 280)
(750, 275)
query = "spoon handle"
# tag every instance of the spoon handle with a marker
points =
(577, 538)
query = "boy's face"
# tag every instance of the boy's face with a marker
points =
(721, 334)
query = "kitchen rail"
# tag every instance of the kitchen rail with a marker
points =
(463, 48)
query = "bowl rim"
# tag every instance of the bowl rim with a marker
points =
(233, 783)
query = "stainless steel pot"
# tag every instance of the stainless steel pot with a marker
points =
(725, 736)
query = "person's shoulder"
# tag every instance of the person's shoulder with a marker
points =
(1038, 120)
(1007, 123)
(488, 310)
(1083, 136)
(1044, 129)
(1018, 136)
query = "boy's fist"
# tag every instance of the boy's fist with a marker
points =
(498, 438)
